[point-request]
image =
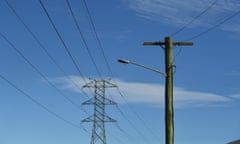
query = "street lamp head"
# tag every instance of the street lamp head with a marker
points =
(123, 61)
(140, 65)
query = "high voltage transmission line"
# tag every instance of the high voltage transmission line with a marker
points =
(135, 113)
(66, 48)
(82, 37)
(109, 68)
(36, 39)
(44, 48)
(184, 27)
(195, 18)
(62, 41)
(216, 25)
(132, 125)
(48, 110)
(64, 44)
(96, 36)
(38, 71)
(207, 30)
(40, 105)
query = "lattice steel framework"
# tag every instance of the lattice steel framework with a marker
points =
(99, 116)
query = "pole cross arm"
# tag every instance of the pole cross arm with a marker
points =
(174, 43)
(154, 43)
(182, 43)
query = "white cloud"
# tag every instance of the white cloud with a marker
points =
(237, 96)
(152, 94)
(178, 13)
(233, 73)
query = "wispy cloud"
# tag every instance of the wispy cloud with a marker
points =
(152, 94)
(236, 96)
(178, 13)
(233, 73)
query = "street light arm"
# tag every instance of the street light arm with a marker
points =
(152, 69)
(140, 65)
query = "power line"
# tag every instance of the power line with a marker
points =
(132, 124)
(91, 21)
(102, 50)
(96, 36)
(120, 129)
(61, 39)
(178, 53)
(216, 25)
(127, 135)
(81, 34)
(105, 58)
(38, 71)
(116, 138)
(43, 47)
(106, 61)
(194, 19)
(41, 105)
(136, 114)
(34, 36)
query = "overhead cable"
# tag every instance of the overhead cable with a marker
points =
(62, 41)
(41, 105)
(194, 19)
(97, 37)
(37, 70)
(216, 25)
(82, 36)
(132, 124)
(101, 47)
(44, 48)
(137, 115)
(108, 66)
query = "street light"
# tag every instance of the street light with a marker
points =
(137, 64)
(169, 123)
(168, 48)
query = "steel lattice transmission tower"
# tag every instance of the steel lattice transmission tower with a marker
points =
(99, 116)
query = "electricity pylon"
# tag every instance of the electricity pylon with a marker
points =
(99, 116)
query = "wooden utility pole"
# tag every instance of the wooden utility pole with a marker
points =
(169, 111)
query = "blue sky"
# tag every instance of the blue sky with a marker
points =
(206, 78)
